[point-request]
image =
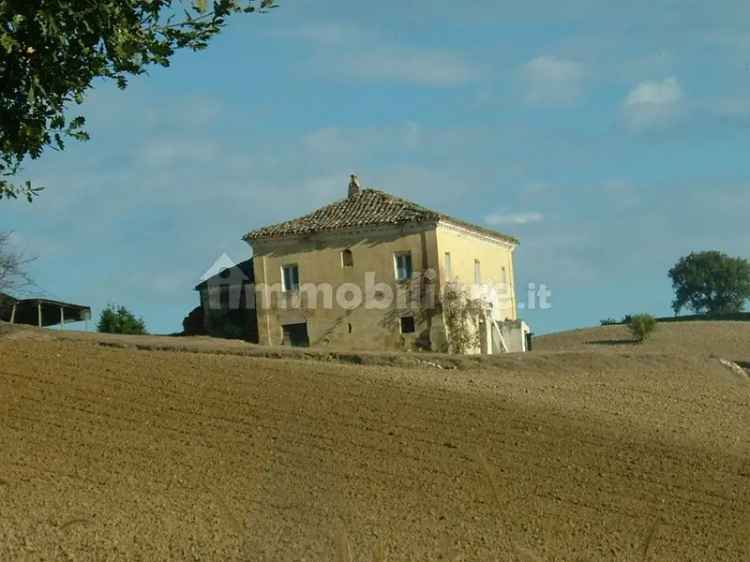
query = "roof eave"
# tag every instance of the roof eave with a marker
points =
(250, 238)
(488, 232)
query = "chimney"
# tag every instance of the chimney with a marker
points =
(354, 186)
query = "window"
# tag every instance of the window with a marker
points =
(295, 335)
(403, 266)
(408, 326)
(504, 276)
(448, 264)
(290, 277)
(347, 259)
(477, 272)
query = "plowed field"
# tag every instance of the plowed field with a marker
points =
(124, 454)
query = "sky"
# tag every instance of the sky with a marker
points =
(611, 138)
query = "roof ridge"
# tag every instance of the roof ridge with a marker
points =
(404, 200)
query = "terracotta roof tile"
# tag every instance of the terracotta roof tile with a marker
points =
(369, 207)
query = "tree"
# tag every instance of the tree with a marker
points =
(710, 282)
(119, 320)
(13, 275)
(51, 51)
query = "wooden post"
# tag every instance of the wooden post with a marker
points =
(13, 314)
(39, 313)
(62, 318)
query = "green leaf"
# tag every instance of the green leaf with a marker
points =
(8, 43)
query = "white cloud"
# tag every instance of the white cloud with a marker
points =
(328, 140)
(497, 219)
(666, 92)
(327, 33)
(436, 187)
(653, 104)
(354, 52)
(189, 111)
(553, 81)
(321, 190)
(633, 69)
(404, 64)
(347, 142)
(165, 152)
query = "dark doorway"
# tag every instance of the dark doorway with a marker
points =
(295, 335)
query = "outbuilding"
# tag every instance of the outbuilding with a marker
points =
(41, 312)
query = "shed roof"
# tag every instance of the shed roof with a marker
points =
(6, 298)
(27, 311)
(368, 207)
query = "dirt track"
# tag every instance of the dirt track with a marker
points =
(142, 455)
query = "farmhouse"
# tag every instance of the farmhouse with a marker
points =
(374, 271)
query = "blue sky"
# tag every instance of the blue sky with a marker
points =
(611, 138)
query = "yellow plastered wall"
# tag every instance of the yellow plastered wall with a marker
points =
(319, 259)
(465, 247)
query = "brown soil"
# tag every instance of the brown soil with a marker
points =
(722, 339)
(606, 452)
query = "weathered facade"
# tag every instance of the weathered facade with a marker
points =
(369, 272)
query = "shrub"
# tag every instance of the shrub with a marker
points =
(119, 320)
(608, 322)
(461, 313)
(642, 326)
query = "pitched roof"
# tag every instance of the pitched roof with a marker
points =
(369, 207)
(240, 274)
